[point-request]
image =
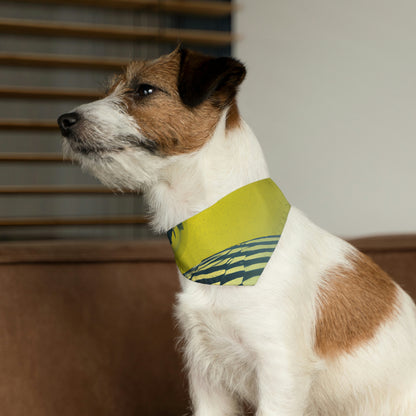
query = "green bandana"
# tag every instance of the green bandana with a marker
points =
(231, 242)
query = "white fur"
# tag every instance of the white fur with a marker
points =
(107, 124)
(257, 343)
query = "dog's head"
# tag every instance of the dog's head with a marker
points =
(154, 111)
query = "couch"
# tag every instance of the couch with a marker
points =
(86, 327)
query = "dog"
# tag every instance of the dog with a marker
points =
(317, 328)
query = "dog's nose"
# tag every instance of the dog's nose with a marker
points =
(67, 121)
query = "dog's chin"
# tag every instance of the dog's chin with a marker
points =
(119, 169)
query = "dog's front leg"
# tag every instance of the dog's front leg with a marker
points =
(209, 399)
(283, 386)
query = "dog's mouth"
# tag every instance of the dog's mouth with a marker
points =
(85, 138)
(81, 139)
(80, 146)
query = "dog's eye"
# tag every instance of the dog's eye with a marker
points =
(143, 90)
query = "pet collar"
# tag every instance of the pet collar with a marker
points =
(231, 242)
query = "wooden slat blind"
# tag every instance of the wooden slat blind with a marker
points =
(54, 190)
(16, 124)
(31, 157)
(49, 93)
(20, 125)
(76, 30)
(56, 61)
(36, 222)
(201, 8)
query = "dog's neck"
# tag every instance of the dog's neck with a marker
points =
(191, 183)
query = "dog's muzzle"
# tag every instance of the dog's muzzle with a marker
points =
(67, 123)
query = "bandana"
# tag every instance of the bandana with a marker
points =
(231, 242)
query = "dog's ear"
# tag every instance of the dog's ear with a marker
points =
(202, 77)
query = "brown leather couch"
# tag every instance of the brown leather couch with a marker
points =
(86, 328)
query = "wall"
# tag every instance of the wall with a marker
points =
(331, 95)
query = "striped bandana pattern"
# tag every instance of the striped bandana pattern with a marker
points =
(231, 242)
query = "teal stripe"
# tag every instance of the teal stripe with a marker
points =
(233, 258)
(227, 278)
(245, 248)
(261, 262)
(227, 264)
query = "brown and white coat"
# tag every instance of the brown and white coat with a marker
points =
(324, 332)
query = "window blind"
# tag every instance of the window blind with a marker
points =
(55, 55)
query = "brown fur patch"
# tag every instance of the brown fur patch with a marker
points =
(162, 117)
(353, 303)
(233, 116)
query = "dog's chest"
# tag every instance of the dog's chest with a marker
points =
(214, 342)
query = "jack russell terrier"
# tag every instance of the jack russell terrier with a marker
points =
(275, 312)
